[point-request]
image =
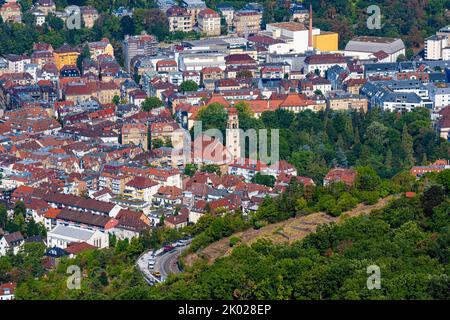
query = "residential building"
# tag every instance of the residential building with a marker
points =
(135, 133)
(11, 242)
(437, 166)
(39, 17)
(323, 62)
(65, 56)
(247, 168)
(247, 22)
(348, 176)
(177, 221)
(16, 62)
(227, 11)
(7, 291)
(141, 188)
(89, 15)
(10, 11)
(179, 19)
(144, 45)
(209, 22)
(99, 48)
(193, 7)
(347, 102)
(437, 48)
(45, 6)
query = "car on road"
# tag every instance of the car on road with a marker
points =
(177, 244)
(168, 248)
(151, 264)
(157, 274)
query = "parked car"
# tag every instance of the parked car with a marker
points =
(168, 248)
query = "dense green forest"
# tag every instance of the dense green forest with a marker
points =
(409, 241)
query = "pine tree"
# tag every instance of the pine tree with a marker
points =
(340, 141)
(407, 146)
(388, 160)
(424, 159)
(356, 139)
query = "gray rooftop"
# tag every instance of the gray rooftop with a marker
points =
(72, 232)
(374, 44)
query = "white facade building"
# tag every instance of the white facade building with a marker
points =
(364, 47)
(295, 37)
(61, 236)
(435, 47)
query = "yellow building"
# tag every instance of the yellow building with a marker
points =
(65, 56)
(326, 41)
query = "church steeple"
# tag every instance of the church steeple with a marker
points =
(233, 134)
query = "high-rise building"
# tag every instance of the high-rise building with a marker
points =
(144, 45)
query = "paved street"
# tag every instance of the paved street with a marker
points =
(165, 264)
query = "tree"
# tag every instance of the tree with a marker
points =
(318, 92)
(85, 54)
(407, 147)
(213, 116)
(244, 74)
(211, 168)
(444, 178)
(190, 169)
(266, 180)
(127, 26)
(157, 143)
(367, 179)
(151, 103)
(54, 22)
(431, 198)
(162, 220)
(116, 100)
(3, 216)
(402, 58)
(189, 85)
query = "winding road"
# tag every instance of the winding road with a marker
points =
(165, 263)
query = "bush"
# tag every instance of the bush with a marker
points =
(326, 203)
(346, 202)
(369, 197)
(234, 241)
(258, 224)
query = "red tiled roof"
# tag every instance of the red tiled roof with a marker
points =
(348, 176)
(179, 219)
(77, 247)
(142, 183)
(208, 13)
(325, 59)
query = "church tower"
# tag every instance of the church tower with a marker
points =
(233, 137)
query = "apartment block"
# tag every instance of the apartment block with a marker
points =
(144, 45)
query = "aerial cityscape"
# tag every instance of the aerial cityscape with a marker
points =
(224, 150)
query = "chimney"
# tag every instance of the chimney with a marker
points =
(310, 36)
